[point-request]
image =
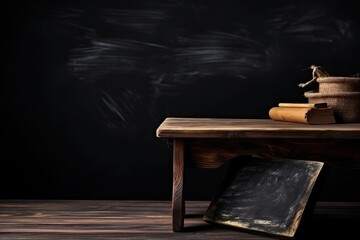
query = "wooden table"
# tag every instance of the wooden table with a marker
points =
(209, 142)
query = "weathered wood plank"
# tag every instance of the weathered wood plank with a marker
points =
(178, 204)
(148, 220)
(212, 153)
(103, 220)
(253, 128)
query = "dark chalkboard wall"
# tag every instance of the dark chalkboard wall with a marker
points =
(86, 83)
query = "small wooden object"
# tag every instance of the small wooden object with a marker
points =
(262, 195)
(308, 105)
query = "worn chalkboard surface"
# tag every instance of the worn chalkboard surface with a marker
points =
(264, 196)
(85, 84)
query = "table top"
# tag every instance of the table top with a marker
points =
(253, 128)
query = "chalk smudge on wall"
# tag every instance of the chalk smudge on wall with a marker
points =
(152, 52)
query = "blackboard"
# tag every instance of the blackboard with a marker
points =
(86, 84)
(264, 196)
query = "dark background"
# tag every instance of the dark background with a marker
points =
(85, 84)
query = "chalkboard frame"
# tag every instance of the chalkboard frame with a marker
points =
(256, 192)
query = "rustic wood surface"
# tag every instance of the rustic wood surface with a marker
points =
(178, 203)
(108, 220)
(252, 128)
(212, 153)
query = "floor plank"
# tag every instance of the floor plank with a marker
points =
(107, 220)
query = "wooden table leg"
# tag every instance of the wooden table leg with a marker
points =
(178, 203)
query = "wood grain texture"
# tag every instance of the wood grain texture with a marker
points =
(212, 153)
(252, 128)
(178, 204)
(146, 220)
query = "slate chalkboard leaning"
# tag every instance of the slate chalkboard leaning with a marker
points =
(264, 195)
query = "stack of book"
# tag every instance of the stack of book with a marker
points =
(308, 113)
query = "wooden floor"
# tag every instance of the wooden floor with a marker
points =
(106, 220)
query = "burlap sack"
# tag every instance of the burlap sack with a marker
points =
(338, 84)
(346, 104)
